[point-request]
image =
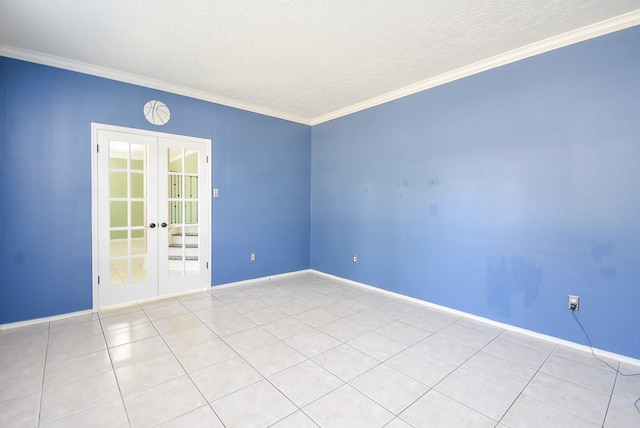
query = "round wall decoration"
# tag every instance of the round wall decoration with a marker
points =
(157, 112)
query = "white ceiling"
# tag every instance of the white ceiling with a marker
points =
(304, 60)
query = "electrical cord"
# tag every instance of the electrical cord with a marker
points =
(636, 404)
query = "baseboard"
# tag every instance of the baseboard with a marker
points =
(153, 299)
(599, 352)
(165, 296)
(262, 278)
(226, 285)
(45, 319)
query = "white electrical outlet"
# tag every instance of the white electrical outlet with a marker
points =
(574, 302)
(355, 258)
(253, 257)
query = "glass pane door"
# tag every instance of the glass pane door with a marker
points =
(182, 204)
(129, 255)
(183, 240)
(127, 237)
(153, 215)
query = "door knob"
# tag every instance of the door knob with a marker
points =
(152, 225)
(163, 224)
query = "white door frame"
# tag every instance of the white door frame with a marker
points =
(95, 259)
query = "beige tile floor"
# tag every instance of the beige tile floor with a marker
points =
(300, 351)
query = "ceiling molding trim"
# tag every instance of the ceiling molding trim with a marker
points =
(585, 33)
(621, 22)
(107, 73)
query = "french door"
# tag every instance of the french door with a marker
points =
(153, 214)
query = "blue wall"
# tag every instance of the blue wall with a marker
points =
(261, 165)
(498, 194)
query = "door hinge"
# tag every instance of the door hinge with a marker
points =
(97, 148)
(98, 279)
(207, 158)
(207, 265)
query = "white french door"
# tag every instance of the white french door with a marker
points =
(151, 214)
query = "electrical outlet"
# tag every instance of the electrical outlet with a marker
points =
(355, 258)
(574, 302)
(253, 257)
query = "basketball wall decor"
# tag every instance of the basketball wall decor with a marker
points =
(157, 112)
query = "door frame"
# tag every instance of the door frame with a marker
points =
(95, 191)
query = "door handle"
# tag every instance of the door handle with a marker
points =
(163, 224)
(152, 225)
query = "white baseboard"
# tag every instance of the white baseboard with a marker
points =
(153, 299)
(599, 352)
(45, 319)
(262, 278)
(602, 353)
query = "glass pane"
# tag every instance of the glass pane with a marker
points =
(118, 184)
(191, 212)
(118, 154)
(137, 214)
(118, 214)
(119, 272)
(175, 186)
(175, 160)
(176, 239)
(192, 240)
(192, 250)
(118, 243)
(191, 162)
(175, 268)
(138, 241)
(175, 212)
(139, 269)
(191, 187)
(176, 250)
(138, 156)
(138, 235)
(137, 185)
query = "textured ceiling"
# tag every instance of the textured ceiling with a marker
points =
(296, 58)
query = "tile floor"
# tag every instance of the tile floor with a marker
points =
(299, 351)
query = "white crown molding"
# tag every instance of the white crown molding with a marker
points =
(585, 33)
(94, 70)
(621, 22)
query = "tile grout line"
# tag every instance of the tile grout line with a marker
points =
(313, 328)
(181, 365)
(113, 369)
(521, 393)
(316, 328)
(433, 388)
(265, 378)
(613, 387)
(379, 361)
(222, 339)
(44, 371)
(50, 354)
(396, 415)
(576, 384)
